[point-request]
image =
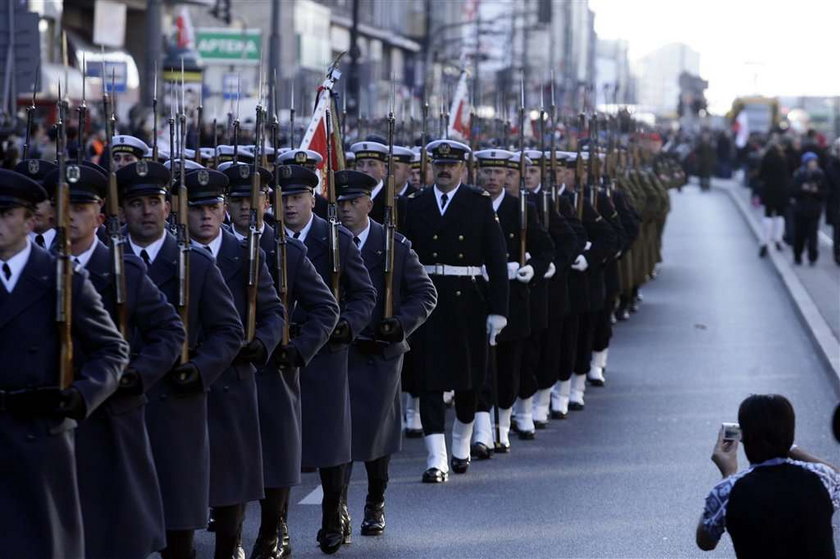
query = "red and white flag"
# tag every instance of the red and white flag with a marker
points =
(185, 35)
(315, 138)
(459, 113)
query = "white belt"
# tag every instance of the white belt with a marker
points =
(512, 268)
(447, 270)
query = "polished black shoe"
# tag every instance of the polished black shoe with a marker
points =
(527, 435)
(574, 406)
(460, 465)
(329, 542)
(501, 448)
(556, 414)
(374, 522)
(346, 524)
(284, 548)
(433, 475)
(480, 451)
(762, 252)
(265, 547)
(413, 433)
(797, 260)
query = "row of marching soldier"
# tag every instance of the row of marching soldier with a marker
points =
(228, 325)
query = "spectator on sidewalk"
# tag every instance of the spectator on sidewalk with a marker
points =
(774, 179)
(781, 506)
(808, 195)
(705, 156)
(832, 201)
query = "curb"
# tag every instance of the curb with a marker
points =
(820, 332)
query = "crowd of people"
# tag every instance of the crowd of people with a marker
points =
(212, 383)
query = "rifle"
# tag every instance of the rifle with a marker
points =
(523, 204)
(281, 281)
(292, 118)
(424, 139)
(553, 177)
(82, 108)
(64, 269)
(183, 236)
(579, 170)
(199, 124)
(236, 127)
(332, 210)
(116, 241)
(544, 193)
(390, 210)
(30, 113)
(254, 235)
(155, 120)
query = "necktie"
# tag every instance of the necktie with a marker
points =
(39, 240)
(357, 241)
(210, 250)
(7, 271)
(296, 235)
(145, 256)
(444, 198)
(76, 261)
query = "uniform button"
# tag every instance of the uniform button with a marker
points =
(510, 235)
(30, 437)
(457, 293)
(434, 255)
(507, 255)
(226, 388)
(460, 255)
(460, 237)
(434, 237)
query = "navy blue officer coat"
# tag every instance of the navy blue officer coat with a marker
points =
(40, 509)
(177, 424)
(375, 375)
(118, 485)
(278, 390)
(236, 474)
(449, 351)
(325, 393)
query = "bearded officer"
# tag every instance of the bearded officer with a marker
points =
(236, 475)
(38, 488)
(114, 456)
(325, 393)
(455, 232)
(176, 415)
(376, 356)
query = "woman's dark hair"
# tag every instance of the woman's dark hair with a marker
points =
(767, 424)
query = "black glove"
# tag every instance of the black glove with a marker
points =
(185, 379)
(288, 357)
(254, 352)
(390, 330)
(342, 333)
(72, 404)
(130, 383)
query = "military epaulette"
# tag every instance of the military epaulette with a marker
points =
(475, 190)
(599, 218)
(413, 195)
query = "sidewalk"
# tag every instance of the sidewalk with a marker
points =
(815, 290)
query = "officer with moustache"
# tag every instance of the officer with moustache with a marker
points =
(325, 393)
(498, 175)
(455, 232)
(38, 487)
(376, 356)
(236, 475)
(176, 415)
(114, 456)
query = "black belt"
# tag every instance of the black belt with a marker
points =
(30, 401)
(370, 347)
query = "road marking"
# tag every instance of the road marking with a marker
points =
(314, 498)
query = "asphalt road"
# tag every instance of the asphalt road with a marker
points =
(627, 476)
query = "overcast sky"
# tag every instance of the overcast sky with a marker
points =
(746, 46)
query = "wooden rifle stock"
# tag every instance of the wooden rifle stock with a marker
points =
(332, 211)
(116, 248)
(64, 268)
(390, 222)
(281, 280)
(253, 243)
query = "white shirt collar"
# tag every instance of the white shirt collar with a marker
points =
(214, 245)
(303, 232)
(241, 237)
(363, 236)
(16, 264)
(498, 201)
(84, 257)
(562, 189)
(48, 235)
(450, 195)
(404, 189)
(537, 189)
(152, 250)
(376, 190)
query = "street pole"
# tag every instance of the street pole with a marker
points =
(154, 13)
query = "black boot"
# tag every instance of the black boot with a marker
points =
(374, 522)
(284, 548)
(331, 534)
(346, 526)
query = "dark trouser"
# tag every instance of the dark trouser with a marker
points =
(805, 231)
(585, 340)
(508, 370)
(332, 482)
(568, 345)
(532, 371)
(836, 228)
(228, 529)
(377, 474)
(179, 545)
(273, 509)
(433, 410)
(603, 326)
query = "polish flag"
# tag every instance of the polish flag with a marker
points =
(315, 138)
(186, 35)
(459, 119)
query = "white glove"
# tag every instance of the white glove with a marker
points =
(495, 324)
(525, 273)
(580, 263)
(587, 246)
(551, 271)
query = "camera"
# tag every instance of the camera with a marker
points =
(731, 432)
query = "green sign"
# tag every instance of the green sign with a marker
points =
(229, 45)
